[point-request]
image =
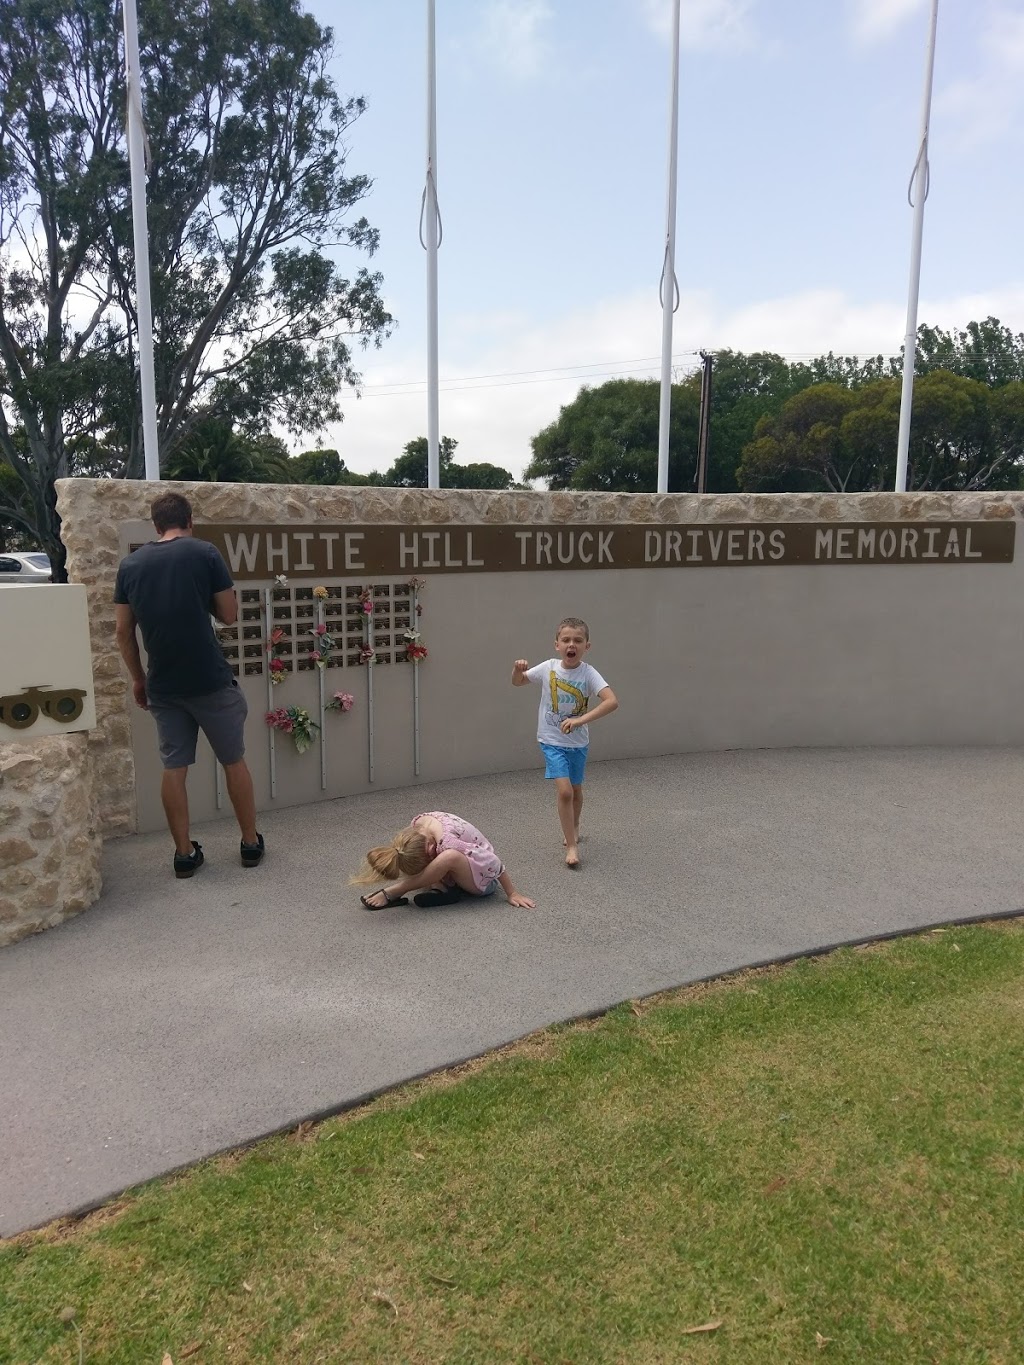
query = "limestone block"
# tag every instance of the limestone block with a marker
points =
(42, 895)
(14, 851)
(51, 857)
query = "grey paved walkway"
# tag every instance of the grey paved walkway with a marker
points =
(178, 1018)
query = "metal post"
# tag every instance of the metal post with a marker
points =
(140, 228)
(669, 285)
(429, 220)
(413, 617)
(919, 192)
(268, 626)
(704, 430)
(323, 729)
(369, 692)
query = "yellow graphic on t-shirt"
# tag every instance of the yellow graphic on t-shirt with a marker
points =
(579, 697)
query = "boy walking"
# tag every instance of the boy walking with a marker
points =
(568, 683)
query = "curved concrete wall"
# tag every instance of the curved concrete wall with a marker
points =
(739, 655)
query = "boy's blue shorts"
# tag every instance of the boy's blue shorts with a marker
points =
(561, 762)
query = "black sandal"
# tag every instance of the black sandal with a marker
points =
(389, 901)
(427, 900)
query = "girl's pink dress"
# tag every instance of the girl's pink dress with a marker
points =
(465, 838)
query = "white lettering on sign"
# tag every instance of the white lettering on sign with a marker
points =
(303, 563)
(353, 547)
(241, 548)
(307, 550)
(281, 554)
(409, 549)
(431, 537)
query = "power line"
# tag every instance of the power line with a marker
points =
(558, 374)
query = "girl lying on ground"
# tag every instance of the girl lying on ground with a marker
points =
(443, 857)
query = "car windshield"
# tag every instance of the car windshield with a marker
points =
(39, 562)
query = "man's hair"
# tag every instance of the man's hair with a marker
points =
(575, 623)
(170, 512)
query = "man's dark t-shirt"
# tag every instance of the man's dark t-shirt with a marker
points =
(169, 585)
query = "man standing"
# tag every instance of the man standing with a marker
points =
(169, 587)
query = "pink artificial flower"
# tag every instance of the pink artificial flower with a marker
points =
(276, 634)
(320, 630)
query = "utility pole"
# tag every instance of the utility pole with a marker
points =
(704, 427)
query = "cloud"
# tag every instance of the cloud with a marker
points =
(875, 20)
(529, 371)
(987, 105)
(513, 36)
(703, 23)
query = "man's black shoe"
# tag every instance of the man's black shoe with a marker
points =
(252, 854)
(186, 864)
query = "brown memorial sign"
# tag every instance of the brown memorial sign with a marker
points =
(301, 550)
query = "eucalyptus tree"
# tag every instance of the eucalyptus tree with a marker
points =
(252, 213)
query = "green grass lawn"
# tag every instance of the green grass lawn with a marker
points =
(825, 1159)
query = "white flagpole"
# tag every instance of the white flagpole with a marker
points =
(430, 220)
(919, 184)
(140, 226)
(669, 285)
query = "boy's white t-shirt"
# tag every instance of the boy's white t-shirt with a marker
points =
(564, 692)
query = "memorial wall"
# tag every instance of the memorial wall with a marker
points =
(863, 619)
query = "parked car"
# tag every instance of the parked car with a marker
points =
(33, 567)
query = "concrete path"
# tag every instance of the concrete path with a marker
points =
(175, 1019)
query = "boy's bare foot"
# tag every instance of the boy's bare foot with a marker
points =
(572, 857)
(579, 836)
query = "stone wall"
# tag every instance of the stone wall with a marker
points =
(49, 841)
(93, 511)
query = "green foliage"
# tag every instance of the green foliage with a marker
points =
(607, 438)
(324, 467)
(410, 469)
(214, 452)
(985, 351)
(476, 476)
(744, 390)
(963, 436)
(254, 320)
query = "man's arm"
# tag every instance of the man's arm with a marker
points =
(225, 606)
(608, 703)
(128, 644)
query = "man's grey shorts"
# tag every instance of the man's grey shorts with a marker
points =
(220, 715)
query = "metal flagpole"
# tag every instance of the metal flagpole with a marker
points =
(669, 288)
(140, 226)
(918, 194)
(430, 223)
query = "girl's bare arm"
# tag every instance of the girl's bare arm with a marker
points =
(513, 896)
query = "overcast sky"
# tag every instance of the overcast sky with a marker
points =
(799, 122)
